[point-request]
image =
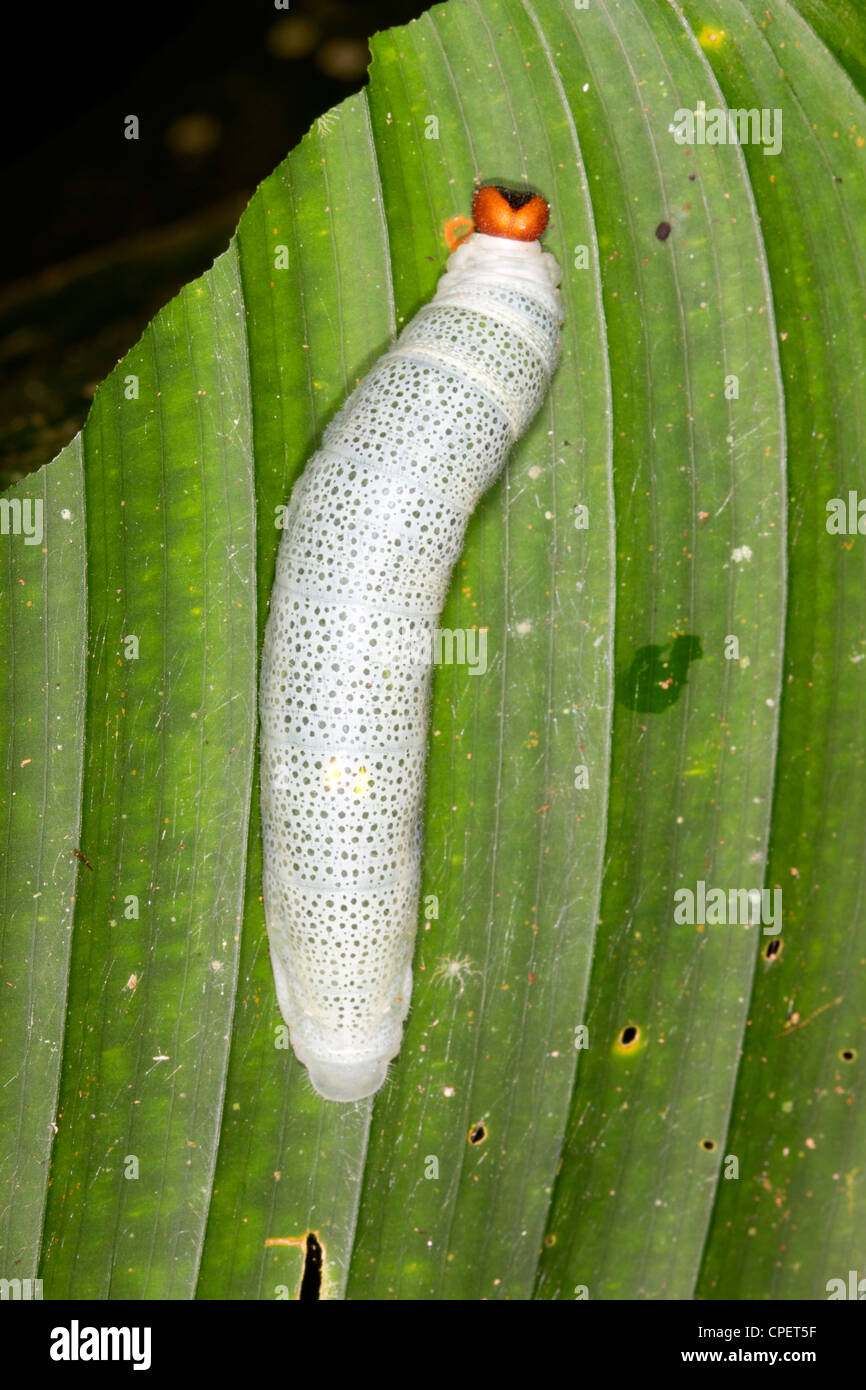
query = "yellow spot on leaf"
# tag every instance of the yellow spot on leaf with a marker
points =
(711, 37)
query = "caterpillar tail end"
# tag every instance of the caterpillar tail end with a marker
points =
(346, 1081)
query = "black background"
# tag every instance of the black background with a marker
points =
(100, 231)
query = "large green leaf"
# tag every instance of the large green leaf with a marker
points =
(696, 649)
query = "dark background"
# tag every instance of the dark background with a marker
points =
(100, 231)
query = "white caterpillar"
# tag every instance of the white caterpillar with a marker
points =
(372, 531)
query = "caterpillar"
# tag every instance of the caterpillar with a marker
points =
(371, 533)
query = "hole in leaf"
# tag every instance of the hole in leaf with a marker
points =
(477, 1134)
(311, 1280)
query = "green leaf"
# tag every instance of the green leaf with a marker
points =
(699, 498)
(795, 1218)
(672, 696)
(44, 618)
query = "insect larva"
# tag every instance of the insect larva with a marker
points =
(372, 532)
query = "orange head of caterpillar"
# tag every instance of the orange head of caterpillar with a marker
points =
(518, 214)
